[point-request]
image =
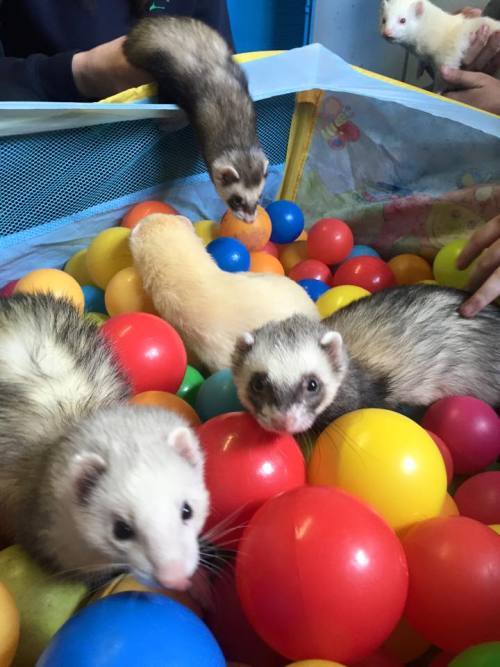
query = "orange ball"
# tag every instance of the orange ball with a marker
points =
(254, 235)
(125, 294)
(303, 235)
(140, 211)
(293, 253)
(52, 281)
(410, 269)
(449, 507)
(263, 262)
(163, 399)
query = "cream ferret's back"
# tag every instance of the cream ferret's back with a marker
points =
(209, 307)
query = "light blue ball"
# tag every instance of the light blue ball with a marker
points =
(217, 395)
(94, 299)
(315, 288)
(287, 221)
(362, 251)
(132, 630)
(231, 255)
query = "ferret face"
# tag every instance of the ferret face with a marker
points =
(400, 19)
(140, 500)
(239, 177)
(287, 380)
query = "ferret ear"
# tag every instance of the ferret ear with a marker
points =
(224, 173)
(332, 343)
(245, 342)
(185, 443)
(419, 8)
(266, 167)
(86, 470)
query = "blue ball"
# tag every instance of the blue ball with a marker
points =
(132, 629)
(362, 251)
(217, 395)
(94, 299)
(230, 254)
(315, 288)
(287, 220)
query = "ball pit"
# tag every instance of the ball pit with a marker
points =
(254, 235)
(230, 254)
(52, 281)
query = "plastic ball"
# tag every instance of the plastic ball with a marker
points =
(131, 629)
(144, 208)
(454, 593)
(446, 454)
(479, 497)
(371, 273)
(9, 627)
(330, 240)
(230, 254)
(263, 262)
(76, 266)
(271, 249)
(207, 230)
(217, 395)
(484, 655)
(444, 267)
(164, 399)
(292, 253)
(8, 289)
(149, 350)
(287, 221)
(311, 573)
(495, 528)
(441, 660)
(385, 459)
(409, 269)
(125, 294)
(379, 659)
(245, 466)
(97, 318)
(469, 427)
(107, 254)
(253, 235)
(405, 643)
(94, 299)
(52, 281)
(315, 288)
(190, 386)
(315, 663)
(339, 297)
(449, 507)
(362, 251)
(310, 269)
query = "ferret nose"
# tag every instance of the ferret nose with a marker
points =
(172, 575)
(387, 33)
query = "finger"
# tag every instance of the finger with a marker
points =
(470, 12)
(479, 241)
(485, 295)
(487, 264)
(488, 59)
(461, 79)
(477, 45)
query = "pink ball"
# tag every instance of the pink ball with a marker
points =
(310, 269)
(446, 454)
(271, 249)
(8, 289)
(469, 427)
(371, 273)
(330, 241)
(479, 497)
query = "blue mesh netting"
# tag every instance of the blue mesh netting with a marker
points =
(52, 175)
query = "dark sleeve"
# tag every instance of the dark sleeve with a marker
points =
(215, 13)
(38, 78)
(493, 9)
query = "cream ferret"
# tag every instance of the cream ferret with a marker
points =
(209, 307)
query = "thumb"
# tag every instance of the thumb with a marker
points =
(459, 78)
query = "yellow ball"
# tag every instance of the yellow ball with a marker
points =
(107, 254)
(207, 230)
(495, 527)
(9, 627)
(52, 281)
(428, 282)
(76, 266)
(339, 297)
(125, 294)
(315, 663)
(444, 267)
(385, 459)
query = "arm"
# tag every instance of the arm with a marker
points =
(215, 13)
(474, 88)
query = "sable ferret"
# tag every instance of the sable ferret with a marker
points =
(404, 345)
(90, 484)
(194, 68)
(209, 307)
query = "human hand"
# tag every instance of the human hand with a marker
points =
(485, 279)
(483, 54)
(104, 71)
(474, 88)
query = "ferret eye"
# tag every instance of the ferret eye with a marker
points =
(257, 384)
(186, 512)
(384, 21)
(123, 531)
(402, 21)
(236, 201)
(312, 385)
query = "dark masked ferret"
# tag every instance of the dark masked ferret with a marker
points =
(405, 345)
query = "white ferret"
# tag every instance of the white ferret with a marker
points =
(209, 307)
(431, 33)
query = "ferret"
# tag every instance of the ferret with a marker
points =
(208, 307)
(401, 346)
(194, 68)
(434, 35)
(91, 485)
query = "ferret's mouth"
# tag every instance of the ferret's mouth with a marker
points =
(245, 217)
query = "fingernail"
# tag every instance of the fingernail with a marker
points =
(468, 310)
(445, 70)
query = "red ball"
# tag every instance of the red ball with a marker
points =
(245, 465)
(469, 427)
(271, 249)
(454, 594)
(149, 350)
(479, 497)
(321, 574)
(379, 659)
(144, 208)
(441, 660)
(8, 289)
(446, 454)
(329, 240)
(371, 273)
(310, 269)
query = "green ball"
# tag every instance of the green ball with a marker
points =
(482, 655)
(190, 386)
(97, 318)
(445, 270)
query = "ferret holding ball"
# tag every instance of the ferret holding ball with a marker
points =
(91, 485)
(210, 308)
(432, 34)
